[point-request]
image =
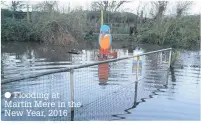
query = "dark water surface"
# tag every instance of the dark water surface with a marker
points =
(106, 91)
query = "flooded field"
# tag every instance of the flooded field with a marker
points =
(106, 91)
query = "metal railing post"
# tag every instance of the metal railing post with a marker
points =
(72, 93)
(170, 54)
(135, 96)
(137, 69)
(136, 82)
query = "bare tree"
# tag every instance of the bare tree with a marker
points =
(183, 6)
(46, 6)
(50, 5)
(107, 5)
(16, 5)
(159, 7)
(119, 4)
(99, 5)
(2, 2)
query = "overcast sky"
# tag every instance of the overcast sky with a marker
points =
(127, 7)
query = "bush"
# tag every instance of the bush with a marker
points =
(178, 33)
(60, 28)
(121, 30)
(13, 30)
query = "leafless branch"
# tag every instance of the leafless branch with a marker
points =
(183, 6)
(160, 8)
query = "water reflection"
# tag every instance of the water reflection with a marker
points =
(172, 74)
(137, 66)
(103, 73)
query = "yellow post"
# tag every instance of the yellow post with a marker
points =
(101, 17)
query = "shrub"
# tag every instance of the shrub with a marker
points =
(176, 32)
(14, 30)
(60, 28)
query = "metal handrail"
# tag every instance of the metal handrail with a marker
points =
(76, 67)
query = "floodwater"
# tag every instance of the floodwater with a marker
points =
(106, 91)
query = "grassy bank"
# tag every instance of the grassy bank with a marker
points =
(74, 27)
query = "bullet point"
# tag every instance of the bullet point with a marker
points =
(7, 94)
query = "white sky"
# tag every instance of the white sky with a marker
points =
(127, 7)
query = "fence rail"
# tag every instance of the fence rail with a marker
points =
(80, 66)
(103, 88)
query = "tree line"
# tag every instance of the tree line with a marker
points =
(45, 22)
